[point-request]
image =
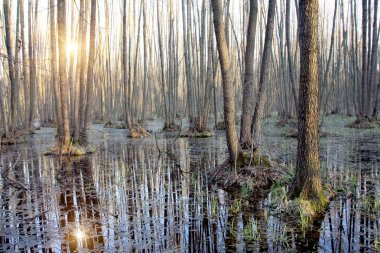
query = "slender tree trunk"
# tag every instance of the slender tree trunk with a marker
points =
(90, 75)
(373, 61)
(11, 66)
(25, 74)
(82, 65)
(125, 68)
(307, 182)
(32, 67)
(54, 76)
(289, 51)
(248, 85)
(228, 91)
(362, 111)
(264, 70)
(61, 17)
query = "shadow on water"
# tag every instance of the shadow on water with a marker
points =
(129, 197)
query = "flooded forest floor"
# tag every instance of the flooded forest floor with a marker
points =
(153, 194)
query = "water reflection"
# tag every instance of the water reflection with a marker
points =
(129, 197)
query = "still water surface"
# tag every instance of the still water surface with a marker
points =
(143, 195)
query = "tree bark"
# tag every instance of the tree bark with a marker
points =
(248, 85)
(264, 70)
(362, 111)
(11, 66)
(54, 77)
(125, 68)
(61, 17)
(90, 75)
(228, 91)
(289, 51)
(307, 182)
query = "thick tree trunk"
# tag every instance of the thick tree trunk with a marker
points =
(264, 70)
(54, 76)
(248, 85)
(90, 75)
(307, 182)
(228, 91)
(61, 17)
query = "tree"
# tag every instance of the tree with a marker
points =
(11, 66)
(247, 106)
(90, 76)
(264, 70)
(65, 137)
(228, 91)
(307, 181)
(54, 77)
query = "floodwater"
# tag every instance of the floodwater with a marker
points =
(153, 195)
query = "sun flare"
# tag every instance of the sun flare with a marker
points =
(79, 234)
(71, 47)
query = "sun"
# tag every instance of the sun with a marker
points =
(79, 234)
(71, 47)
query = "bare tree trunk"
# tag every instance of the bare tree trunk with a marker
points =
(54, 76)
(125, 69)
(82, 66)
(307, 182)
(326, 71)
(25, 74)
(11, 66)
(264, 70)
(373, 61)
(61, 17)
(247, 105)
(90, 76)
(228, 91)
(364, 81)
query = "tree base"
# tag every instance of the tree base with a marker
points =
(113, 125)
(12, 141)
(256, 172)
(293, 133)
(171, 127)
(71, 150)
(361, 123)
(195, 134)
(220, 126)
(138, 132)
